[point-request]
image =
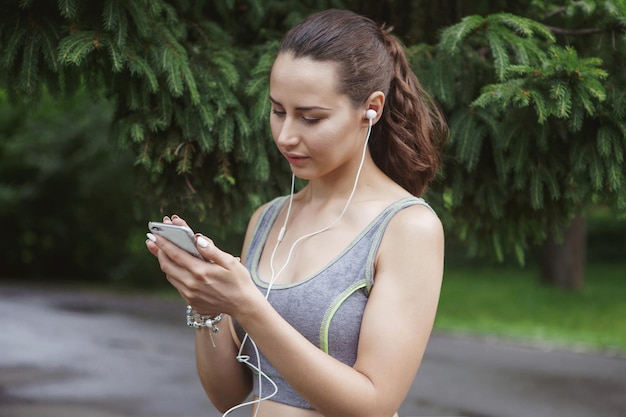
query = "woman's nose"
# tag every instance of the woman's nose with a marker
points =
(287, 134)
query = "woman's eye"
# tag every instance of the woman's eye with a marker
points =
(310, 120)
(307, 119)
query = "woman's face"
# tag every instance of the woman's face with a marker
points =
(318, 130)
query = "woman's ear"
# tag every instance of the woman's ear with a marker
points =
(375, 102)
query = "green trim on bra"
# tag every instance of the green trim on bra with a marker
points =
(334, 306)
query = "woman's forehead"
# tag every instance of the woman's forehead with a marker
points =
(303, 77)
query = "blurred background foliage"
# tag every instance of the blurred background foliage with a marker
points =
(72, 210)
(67, 194)
(114, 113)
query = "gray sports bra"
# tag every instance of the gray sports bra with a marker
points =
(327, 307)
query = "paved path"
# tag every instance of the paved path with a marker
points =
(73, 354)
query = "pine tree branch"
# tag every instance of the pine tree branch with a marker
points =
(568, 32)
(555, 12)
(574, 32)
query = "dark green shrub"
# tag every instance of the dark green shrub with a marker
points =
(66, 195)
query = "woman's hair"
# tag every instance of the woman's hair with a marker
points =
(405, 143)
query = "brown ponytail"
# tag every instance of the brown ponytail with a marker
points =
(405, 143)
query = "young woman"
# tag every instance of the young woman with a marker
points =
(335, 297)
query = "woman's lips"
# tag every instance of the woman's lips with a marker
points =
(295, 159)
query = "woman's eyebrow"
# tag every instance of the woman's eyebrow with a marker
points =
(301, 108)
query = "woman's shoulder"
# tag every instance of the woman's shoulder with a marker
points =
(412, 241)
(256, 217)
(263, 208)
(415, 223)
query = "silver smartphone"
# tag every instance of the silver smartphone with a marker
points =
(181, 236)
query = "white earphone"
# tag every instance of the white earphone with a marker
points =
(370, 114)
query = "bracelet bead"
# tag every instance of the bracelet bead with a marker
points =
(203, 322)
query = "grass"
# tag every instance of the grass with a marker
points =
(507, 302)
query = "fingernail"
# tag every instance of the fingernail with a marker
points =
(151, 237)
(174, 216)
(202, 242)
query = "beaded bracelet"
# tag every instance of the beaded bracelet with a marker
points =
(203, 322)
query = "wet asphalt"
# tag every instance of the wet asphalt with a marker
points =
(84, 354)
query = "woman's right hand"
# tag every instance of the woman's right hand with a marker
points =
(221, 284)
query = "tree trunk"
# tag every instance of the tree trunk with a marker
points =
(563, 263)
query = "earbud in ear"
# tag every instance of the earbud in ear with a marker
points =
(370, 114)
